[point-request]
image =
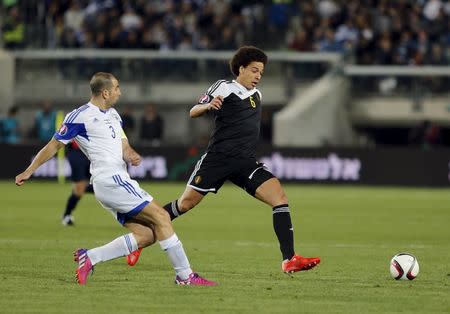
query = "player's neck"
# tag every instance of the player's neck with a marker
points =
(242, 83)
(99, 103)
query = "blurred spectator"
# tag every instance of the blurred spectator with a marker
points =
(327, 42)
(404, 49)
(227, 41)
(74, 16)
(384, 52)
(151, 126)
(425, 135)
(69, 39)
(279, 13)
(45, 122)
(9, 127)
(327, 8)
(431, 9)
(301, 42)
(13, 29)
(129, 20)
(437, 56)
(405, 28)
(347, 34)
(128, 122)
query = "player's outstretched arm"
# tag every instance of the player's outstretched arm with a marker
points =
(200, 109)
(47, 152)
(129, 154)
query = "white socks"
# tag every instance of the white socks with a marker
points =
(177, 256)
(119, 247)
(126, 244)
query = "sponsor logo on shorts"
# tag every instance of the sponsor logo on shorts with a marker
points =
(197, 179)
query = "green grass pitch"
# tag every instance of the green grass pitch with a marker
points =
(229, 238)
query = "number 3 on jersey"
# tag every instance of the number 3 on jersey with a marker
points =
(113, 132)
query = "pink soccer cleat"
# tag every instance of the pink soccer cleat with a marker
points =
(133, 257)
(299, 263)
(84, 265)
(195, 280)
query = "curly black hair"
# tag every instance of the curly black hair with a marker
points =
(246, 55)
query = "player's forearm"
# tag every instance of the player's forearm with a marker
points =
(46, 153)
(126, 149)
(198, 110)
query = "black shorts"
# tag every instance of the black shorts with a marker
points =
(79, 164)
(213, 169)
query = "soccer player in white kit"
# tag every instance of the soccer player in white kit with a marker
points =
(96, 127)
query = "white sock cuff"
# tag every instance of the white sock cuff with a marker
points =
(169, 242)
(130, 242)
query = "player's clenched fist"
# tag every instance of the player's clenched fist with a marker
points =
(21, 178)
(135, 159)
(216, 103)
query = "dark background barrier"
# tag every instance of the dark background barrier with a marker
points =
(381, 166)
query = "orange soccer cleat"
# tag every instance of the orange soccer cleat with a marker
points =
(133, 257)
(299, 263)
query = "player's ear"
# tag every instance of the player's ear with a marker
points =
(241, 69)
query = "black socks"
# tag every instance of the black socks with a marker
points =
(172, 209)
(71, 203)
(283, 228)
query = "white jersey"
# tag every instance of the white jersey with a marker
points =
(99, 134)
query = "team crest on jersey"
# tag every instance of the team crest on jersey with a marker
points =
(205, 99)
(62, 130)
(197, 179)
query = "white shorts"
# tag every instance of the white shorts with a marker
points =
(121, 195)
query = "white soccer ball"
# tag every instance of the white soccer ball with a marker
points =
(404, 266)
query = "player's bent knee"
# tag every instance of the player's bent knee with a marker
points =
(280, 200)
(161, 218)
(284, 199)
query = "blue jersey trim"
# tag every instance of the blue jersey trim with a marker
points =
(126, 185)
(128, 242)
(123, 217)
(70, 131)
(116, 179)
(75, 113)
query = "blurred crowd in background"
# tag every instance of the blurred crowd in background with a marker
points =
(148, 129)
(384, 32)
(375, 31)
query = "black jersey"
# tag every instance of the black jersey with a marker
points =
(237, 122)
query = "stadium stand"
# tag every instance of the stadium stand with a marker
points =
(379, 32)
(367, 32)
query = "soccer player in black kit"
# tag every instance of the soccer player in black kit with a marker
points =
(236, 106)
(79, 164)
